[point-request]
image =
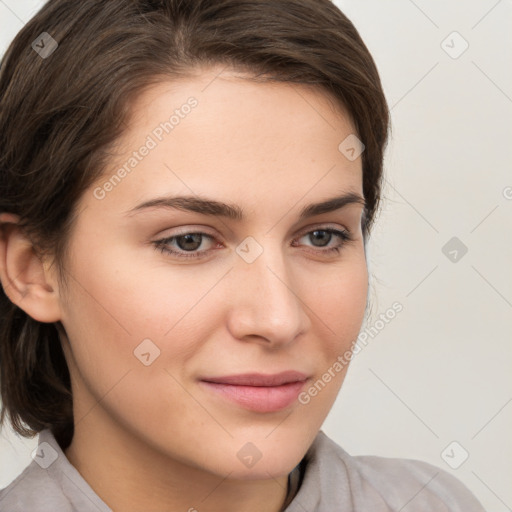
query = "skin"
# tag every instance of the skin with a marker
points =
(151, 437)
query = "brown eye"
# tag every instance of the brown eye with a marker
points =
(183, 244)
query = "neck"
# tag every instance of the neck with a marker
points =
(142, 478)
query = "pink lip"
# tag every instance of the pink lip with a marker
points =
(258, 392)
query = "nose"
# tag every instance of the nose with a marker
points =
(267, 307)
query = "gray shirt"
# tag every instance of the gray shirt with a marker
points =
(327, 480)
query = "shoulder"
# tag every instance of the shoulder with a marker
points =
(33, 489)
(416, 485)
(389, 484)
(49, 484)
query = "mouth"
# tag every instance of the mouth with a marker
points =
(258, 392)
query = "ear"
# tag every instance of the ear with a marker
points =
(26, 280)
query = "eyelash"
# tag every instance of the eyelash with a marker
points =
(162, 244)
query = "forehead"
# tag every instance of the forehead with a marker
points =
(244, 139)
(231, 103)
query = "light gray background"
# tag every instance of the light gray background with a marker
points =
(440, 370)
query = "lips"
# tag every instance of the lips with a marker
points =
(258, 392)
(258, 379)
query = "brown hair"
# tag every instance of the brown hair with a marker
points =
(59, 116)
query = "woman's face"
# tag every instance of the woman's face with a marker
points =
(262, 292)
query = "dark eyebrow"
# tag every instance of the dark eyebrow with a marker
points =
(207, 206)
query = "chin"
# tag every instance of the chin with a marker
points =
(276, 461)
(247, 461)
(264, 470)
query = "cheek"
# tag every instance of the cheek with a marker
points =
(109, 317)
(340, 303)
(111, 314)
(127, 300)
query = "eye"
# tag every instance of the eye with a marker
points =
(186, 245)
(323, 236)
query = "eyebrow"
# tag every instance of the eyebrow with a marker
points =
(206, 206)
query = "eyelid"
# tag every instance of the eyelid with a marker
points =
(322, 225)
(186, 230)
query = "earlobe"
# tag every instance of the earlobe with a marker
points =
(23, 274)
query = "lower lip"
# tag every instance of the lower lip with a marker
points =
(259, 398)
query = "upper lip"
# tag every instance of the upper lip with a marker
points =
(259, 379)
